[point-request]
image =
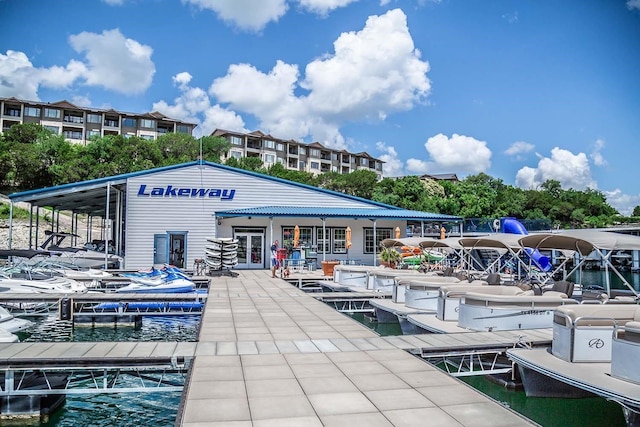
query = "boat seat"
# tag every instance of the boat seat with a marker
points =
(596, 314)
(493, 279)
(563, 286)
(632, 332)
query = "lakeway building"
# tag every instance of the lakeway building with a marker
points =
(166, 215)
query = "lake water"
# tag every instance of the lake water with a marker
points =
(114, 409)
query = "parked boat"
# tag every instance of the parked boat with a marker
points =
(594, 352)
(170, 284)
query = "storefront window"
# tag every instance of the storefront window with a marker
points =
(339, 240)
(381, 234)
(323, 241)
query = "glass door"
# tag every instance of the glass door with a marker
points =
(250, 250)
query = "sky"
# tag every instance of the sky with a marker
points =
(522, 90)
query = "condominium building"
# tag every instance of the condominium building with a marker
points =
(293, 155)
(79, 124)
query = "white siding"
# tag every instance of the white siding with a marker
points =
(146, 216)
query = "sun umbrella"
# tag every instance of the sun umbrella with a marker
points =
(443, 232)
(296, 236)
(348, 237)
(397, 232)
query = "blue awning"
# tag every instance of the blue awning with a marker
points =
(327, 212)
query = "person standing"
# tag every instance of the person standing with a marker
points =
(274, 258)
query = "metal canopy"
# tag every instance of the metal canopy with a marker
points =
(329, 212)
(78, 198)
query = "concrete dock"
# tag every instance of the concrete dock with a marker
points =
(271, 355)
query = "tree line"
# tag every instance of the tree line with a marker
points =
(32, 157)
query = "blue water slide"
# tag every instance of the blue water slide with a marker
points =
(512, 225)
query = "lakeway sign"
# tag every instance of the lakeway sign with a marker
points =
(186, 192)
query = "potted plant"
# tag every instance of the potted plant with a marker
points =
(390, 257)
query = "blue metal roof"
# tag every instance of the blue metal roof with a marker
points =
(323, 212)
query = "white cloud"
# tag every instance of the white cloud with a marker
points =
(114, 2)
(393, 165)
(114, 61)
(596, 156)
(111, 61)
(323, 7)
(633, 4)
(194, 102)
(19, 78)
(518, 148)
(373, 73)
(623, 203)
(571, 170)
(248, 15)
(460, 154)
(511, 17)
(251, 15)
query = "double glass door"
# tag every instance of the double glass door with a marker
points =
(251, 253)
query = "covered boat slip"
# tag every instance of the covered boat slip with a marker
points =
(585, 242)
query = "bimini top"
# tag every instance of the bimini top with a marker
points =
(329, 212)
(583, 241)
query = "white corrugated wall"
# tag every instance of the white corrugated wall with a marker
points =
(147, 216)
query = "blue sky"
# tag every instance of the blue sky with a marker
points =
(524, 91)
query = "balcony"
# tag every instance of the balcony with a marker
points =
(111, 123)
(12, 112)
(73, 119)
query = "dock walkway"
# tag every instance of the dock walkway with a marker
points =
(271, 355)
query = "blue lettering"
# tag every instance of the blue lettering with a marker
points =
(141, 191)
(199, 193)
(171, 192)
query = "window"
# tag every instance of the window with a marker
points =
(32, 111)
(335, 156)
(364, 162)
(148, 137)
(54, 129)
(281, 160)
(280, 147)
(314, 152)
(92, 133)
(236, 140)
(303, 151)
(147, 123)
(183, 129)
(269, 158)
(381, 234)
(269, 144)
(315, 165)
(94, 118)
(12, 111)
(302, 166)
(236, 154)
(52, 113)
(323, 244)
(129, 122)
(339, 240)
(306, 236)
(111, 123)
